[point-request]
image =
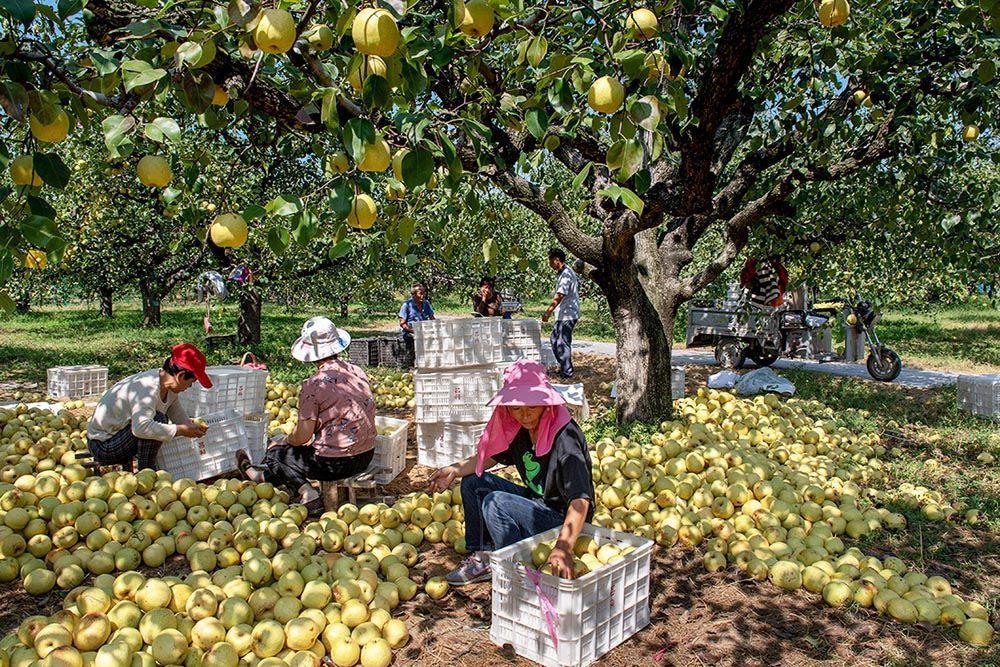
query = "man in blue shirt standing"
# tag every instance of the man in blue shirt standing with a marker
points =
(566, 306)
(415, 309)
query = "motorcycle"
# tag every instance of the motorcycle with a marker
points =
(883, 363)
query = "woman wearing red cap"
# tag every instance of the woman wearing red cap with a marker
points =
(531, 429)
(141, 412)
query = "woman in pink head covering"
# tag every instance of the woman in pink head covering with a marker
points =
(532, 430)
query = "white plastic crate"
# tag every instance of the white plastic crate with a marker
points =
(548, 357)
(576, 400)
(443, 444)
(521, 339)
(472, 341)
(677, 378)
(233, 388)
(77, 381)
(595, 612)
(212, 454)
(390, 450)
(458, 396)
(256, 428)
(979, 394)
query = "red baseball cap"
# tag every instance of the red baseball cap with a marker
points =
(190, 358)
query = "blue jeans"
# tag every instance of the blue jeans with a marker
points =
(502, 513)
(562, 345)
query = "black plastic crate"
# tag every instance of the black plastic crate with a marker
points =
(364, 351)
(395, 353)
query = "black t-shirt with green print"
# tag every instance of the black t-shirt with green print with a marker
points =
(560, 484)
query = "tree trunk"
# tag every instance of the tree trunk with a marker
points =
(23, 302)
(104, 295)
(150, 305)
(249, 321)
(343, 306)
(643, 354)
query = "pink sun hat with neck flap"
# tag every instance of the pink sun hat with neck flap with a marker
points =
(526, 384)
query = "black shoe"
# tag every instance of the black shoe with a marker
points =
(243, 463)
(315, 507)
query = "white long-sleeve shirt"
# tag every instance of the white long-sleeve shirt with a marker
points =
(136, 400)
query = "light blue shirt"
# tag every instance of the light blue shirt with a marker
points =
(409, 312)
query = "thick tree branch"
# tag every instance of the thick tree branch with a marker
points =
(717, 97)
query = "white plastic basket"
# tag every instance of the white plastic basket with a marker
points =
(233, 388)
(256, 428)
(458, 396)
(442, 444)
(77, 381)
(390, 450)
(677, 378)
(521, 339)
(473, 341)
(576, 400)
(979, 394)
(596, 612)
(212, 454)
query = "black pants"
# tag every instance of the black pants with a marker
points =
(123, 446)
(293, 466)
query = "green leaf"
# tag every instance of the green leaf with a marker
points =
(41, 208)
(254, 211)
(328, 110)
(104, 61)
(6, 267)
(645, 113)
(582, 175)
(144, 78)
(358, 133)
(340, 199)
(143, 28)
(410, 260)
(52, 169)
(404, 230)
(490, 250)
(189, 53)
(987, 71)
(278, 240)
(680, 102)
(418, 166)
(376, 92)
(38, 231)
(537, 122)
(161, 128)
(616, 155)
(632, 158)
(6, 303)
(67, 8)
(21, 10)
(284, 205)
(631, 200)
(306, 227)
(537, 48)
(339, 250)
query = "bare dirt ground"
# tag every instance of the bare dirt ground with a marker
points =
(696, 618)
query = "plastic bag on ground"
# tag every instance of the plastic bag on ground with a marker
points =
(763, 380)
(723, 379)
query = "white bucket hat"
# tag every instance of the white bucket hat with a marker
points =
(320, 339)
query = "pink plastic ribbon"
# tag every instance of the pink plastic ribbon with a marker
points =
(548, 609)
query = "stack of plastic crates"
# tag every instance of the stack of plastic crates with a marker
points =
(979, 394)
(74, 382)
(363, 351)
(677, 377)
(473, 341)
(211, 455)
(233, 388)
(589, 615)
(395, 353)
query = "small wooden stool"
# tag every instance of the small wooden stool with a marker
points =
(331, 490)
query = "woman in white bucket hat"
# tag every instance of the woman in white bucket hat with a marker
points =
(335, 434)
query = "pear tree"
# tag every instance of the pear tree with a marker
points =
(638, 132)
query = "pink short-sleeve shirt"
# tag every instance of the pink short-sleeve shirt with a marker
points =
(339, 397)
